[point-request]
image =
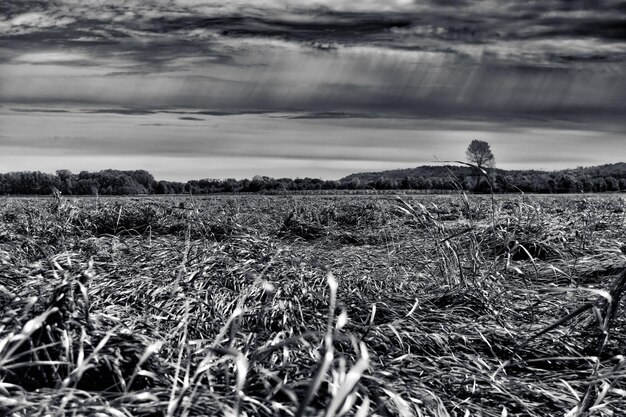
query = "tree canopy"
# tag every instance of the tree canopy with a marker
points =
(479, 153)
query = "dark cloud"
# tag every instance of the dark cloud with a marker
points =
(333, 115)
(540, 7)
(497, 60)
(145, 111)
(121, 111)
(448, 3)
(127, 73)
(334, 27)
(12, 8)
(590, 57)
(229, 113)
(40, 110)
(149, 111)
(154, 32)
(610, 29)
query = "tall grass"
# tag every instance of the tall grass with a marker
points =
(430, 306)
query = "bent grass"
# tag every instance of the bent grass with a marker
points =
(432, 306)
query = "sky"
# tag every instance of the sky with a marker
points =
(192, 89)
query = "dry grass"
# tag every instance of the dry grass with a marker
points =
(325, 306)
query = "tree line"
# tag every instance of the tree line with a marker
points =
(606, 178)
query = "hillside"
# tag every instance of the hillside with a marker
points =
(602, 178)
(617, 170)
(426, 171)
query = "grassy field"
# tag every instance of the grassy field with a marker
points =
(294, 306)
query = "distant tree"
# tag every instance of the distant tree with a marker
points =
(144, 178)
(67, 180)
(257, 184)
(420, 183)
(566, 184)
(408, 183)
(162, 188)
(468, 183)
(355, 184)
(611, 183)
(384, 183)
(229, 185)
(544, 183)
(586, 183)
(479, 153)
(86, 187)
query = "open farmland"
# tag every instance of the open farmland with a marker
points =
(309, 305)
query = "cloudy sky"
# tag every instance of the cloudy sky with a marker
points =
(322, 88)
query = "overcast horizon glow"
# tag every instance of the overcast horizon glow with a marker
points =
(193, 89)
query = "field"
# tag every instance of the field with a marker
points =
(308, 305)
